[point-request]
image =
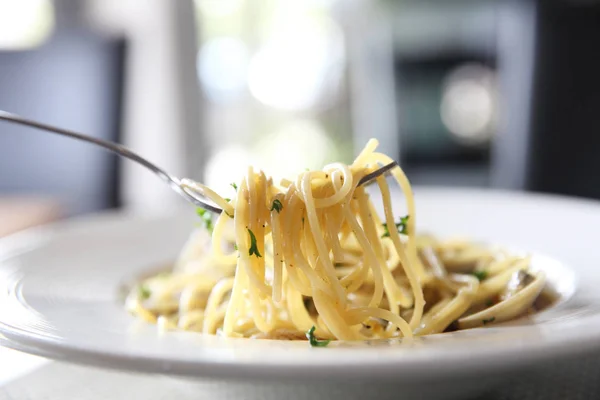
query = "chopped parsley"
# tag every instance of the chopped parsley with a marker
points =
(227, 199)
(144, 292)
(234, 185)
(481, 275)
(489, 303)
(277, 206)
(489, 321)
(235, 247)
(314, 342)
(253, 246)
(206, 218)
(401, 226)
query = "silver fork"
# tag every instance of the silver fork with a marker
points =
(174, 182)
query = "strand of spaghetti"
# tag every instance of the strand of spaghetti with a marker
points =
(235, 301)
(374, 241)
(404, 183)
(428, 316)
(244, 224)
(296, 309)
(357, 277)
(217, 241)
(393, 259)
(312, 257)
(366, 151)
(453, 310)
(272, 314)
(300, 262)
(367, 222)
(317, 236)
(336, 171)
(310, 252)
(494, 285)
(192, 320)
(297, 253)
(370, 258)
(240, 277)
(322, 328)
(278, 255)
(354, 280)
(393, 293)
(191, 293)
(256, 201)
(332, 319)
(244, 313)
(255, 225)
(500, 266)
(259, 314)
(407, 263)
(334, 218)
(246, 326)
(312, 176)
(333, 237)
(214, 300)
(300, 282)
(357, 315)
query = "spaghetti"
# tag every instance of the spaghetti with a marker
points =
(313, 255)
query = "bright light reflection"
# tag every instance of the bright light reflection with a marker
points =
(468, 103)
(283, 154)
(218, 8)
(222, 68)
(225, 166)
(302, 62)
(25, 23)
(297, 146)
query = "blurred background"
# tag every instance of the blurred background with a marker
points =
(502, 94)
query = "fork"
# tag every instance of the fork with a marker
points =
(180, 186)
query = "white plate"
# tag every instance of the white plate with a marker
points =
(60, 297)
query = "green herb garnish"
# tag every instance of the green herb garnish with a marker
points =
(144, 292)
(234, 185)
(314, 342)
(488, 321)
(489, 303)
(401, 226)
(235, 246)
(206, 218)
(481, 275)
(277, 206)
(227, 199)
(253, 246)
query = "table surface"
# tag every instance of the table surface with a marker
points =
(23, 376)
(18, 213)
